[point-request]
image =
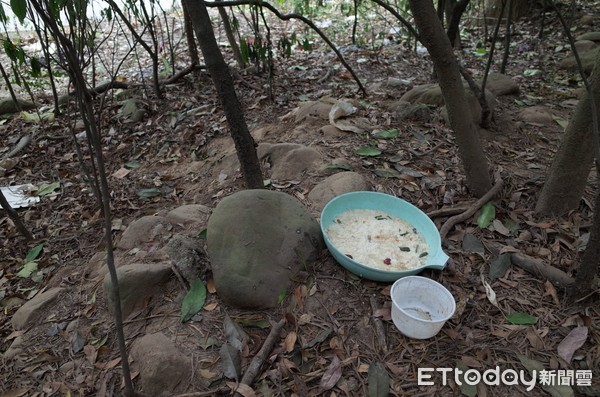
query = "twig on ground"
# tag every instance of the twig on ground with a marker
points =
(449, 224)
(181, 74)
(447, 211)
(252, 370)
(421, 154)
(179, 277)
(379, 331)
(326, 76)
(535, 266)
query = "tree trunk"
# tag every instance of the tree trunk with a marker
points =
(572, 163)
(590, 263)
(453, 18)
(189, 35)
(436, 41)
(219, 72)
(235, 48)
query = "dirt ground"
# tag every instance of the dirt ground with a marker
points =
(331, 313)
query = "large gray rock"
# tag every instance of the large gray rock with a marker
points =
(164, 370)
(143, 231)
(257, 240)
(137, 282)
(501, 84)
(537, 115)
(592, 36)
(413, 111)
(289, 160)
(428, 94)
(192, 214)
(585, 46)
(340, 183)
(588, 59)
(33, 309)
(431, 94)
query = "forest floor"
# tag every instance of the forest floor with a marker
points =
(166, 145)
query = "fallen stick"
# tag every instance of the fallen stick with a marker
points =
(379, 331)
(252, 370)
(535, 266)
(472, 210)
(447, 211)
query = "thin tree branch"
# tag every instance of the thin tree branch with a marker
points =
(286, 17)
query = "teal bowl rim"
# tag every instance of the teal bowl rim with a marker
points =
(393, 275)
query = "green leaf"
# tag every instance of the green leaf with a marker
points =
(368, 151)
(472, 244)
(562, 122)
(387, 173)
(465, 388)
(281, 296)
(339, 167)
(387, 134)
(30, 117)
(202, 234)
(208, 341)
(36, 67)
(553, 390)
(132, 164)
(499, 267)
(266, 182)
(193, 301)
(379, 380)
(34, 253)
(45, 189)
(19, 8)
(480, 52)
(487, 215)
(148, 193)
(27, 269)
(520, 318)
(531, 72)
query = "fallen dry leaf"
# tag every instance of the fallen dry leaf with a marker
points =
(576, 338)
(551, 290)
(242, 389)
(385, 313)
(534, 339)
(290, 341)
(332, 375)
(471, 361)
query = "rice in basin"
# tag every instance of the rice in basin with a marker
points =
(378, 240)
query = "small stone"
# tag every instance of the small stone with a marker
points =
(164, 370)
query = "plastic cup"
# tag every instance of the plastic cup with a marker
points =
(420, 306)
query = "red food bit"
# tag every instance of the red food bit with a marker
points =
(349, 256)
(387, 261)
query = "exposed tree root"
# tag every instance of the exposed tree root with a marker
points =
(472, 210)
(534, 266)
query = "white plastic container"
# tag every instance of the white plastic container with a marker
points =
(420, 306)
